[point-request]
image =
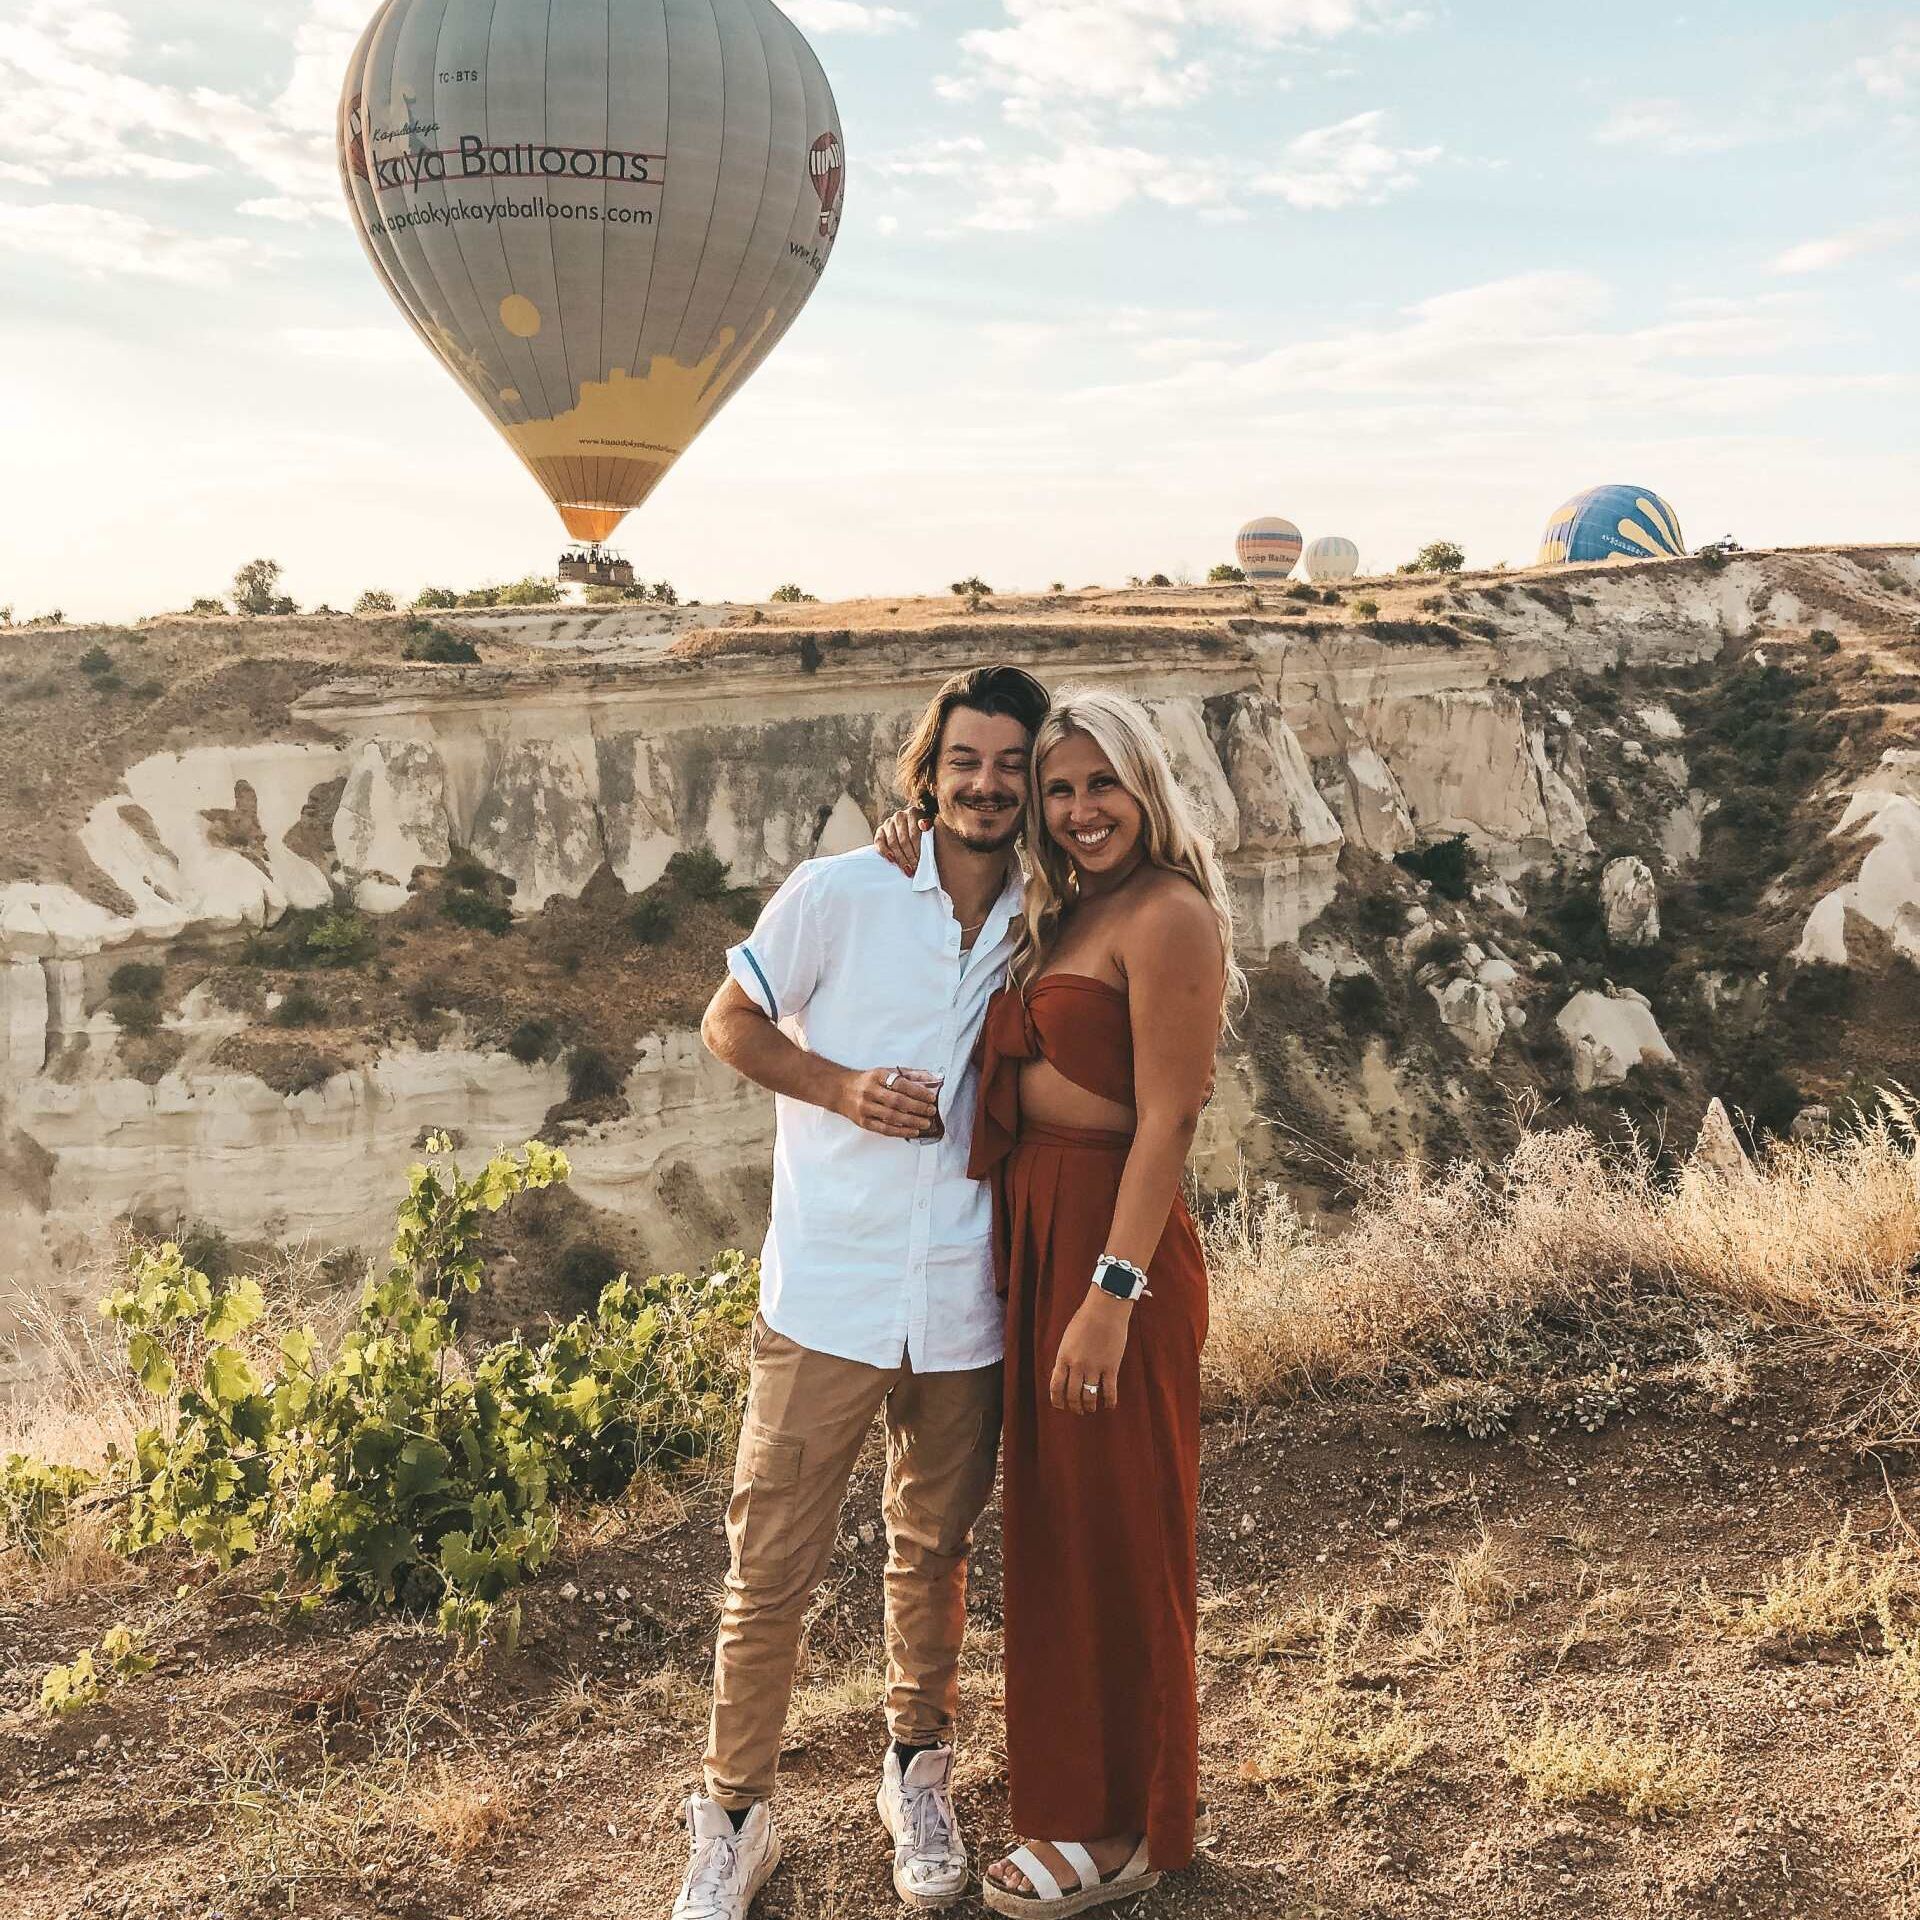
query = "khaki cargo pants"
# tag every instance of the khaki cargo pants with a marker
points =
(807, 1415)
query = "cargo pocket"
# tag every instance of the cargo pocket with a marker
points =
(764, 1515)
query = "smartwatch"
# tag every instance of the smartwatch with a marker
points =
(1121, 1278)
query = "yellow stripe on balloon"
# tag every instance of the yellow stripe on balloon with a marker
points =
(1662, 517)
(1641, 538)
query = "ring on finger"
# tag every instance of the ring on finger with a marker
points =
(892, 1075)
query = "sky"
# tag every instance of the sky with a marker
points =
(1114, 276)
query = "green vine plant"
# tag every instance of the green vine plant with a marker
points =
(394, 1470)
(70, 1689)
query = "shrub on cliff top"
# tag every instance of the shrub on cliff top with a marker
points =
(533, 1040)
(651, 918)
(698, 872)
(300, 1008)
(435, 645)
(1437, 556)
(476, 910)
(592, 1074)
(1445, 865)
(138, 978)
(134, 1014)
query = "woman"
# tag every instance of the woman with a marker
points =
(1095, 1063)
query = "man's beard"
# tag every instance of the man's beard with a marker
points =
(985, 832)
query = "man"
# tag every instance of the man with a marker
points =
(877, 1292)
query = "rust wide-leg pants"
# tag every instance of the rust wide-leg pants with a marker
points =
(1101, 1575)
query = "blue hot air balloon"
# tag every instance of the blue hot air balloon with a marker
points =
(1610, 523)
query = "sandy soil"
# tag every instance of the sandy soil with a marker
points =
(1364, 1579)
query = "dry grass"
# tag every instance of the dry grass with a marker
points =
(1611, 1611)
(1831, 1591)
(1480, 1582)
(1564, 1761)
(1328, 1744)
(1460, 1261)
(858, 1687)
(462, 1807)
(1328, 1633)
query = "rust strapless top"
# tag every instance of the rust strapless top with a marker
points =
(1077, 1024)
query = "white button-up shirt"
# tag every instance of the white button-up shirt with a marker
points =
(879, 1248)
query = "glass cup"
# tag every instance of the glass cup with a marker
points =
(933, 1082)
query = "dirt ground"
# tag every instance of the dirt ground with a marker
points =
(1387, 1612)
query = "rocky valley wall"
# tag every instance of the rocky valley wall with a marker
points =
(1316, 747)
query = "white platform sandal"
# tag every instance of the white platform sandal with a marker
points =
(1090, 1890)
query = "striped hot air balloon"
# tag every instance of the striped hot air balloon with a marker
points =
(601, 215)
(1332, 558)
(1606, 523)
(1267, 549)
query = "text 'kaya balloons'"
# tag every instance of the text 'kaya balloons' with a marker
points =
(1267, 549)
(1331, 558)
(1606, 523)
(601, 214)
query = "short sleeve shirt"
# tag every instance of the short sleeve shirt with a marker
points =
(879, 1249)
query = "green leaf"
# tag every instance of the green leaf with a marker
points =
(421, 1468)
(122, 1646)
(383, 1551)
(228, 1378)
(236, 1310)
(151, 1367)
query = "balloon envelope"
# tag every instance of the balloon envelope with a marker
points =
(1605, 523)
(1267, 548)
(1331, 558)
(600, 214)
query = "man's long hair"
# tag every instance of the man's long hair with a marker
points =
(1174, 838)
(997, 690)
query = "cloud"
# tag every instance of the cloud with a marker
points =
(1894, 73)
(1509, 355)
(74, 111)
(363, 346)
(845, 16)
(1820, 256)
(89, 31)
(1119, 52)
(1669, 127)
(1085, 179)
(1132, 54)
(1344, 164)
(106, 243)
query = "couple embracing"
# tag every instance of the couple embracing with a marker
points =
(989, 1073)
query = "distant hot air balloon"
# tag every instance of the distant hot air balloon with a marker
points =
(1605, 523)
(600, 214)
(1267, 549)
(1331, 558)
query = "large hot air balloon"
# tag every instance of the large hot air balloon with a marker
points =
(1267, 549)
(600, 214)
(1331, 558)
(1605, 523)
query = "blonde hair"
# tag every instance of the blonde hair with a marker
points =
(1125, 733)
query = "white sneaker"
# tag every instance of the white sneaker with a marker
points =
(929, 1857)
(727, 1868)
